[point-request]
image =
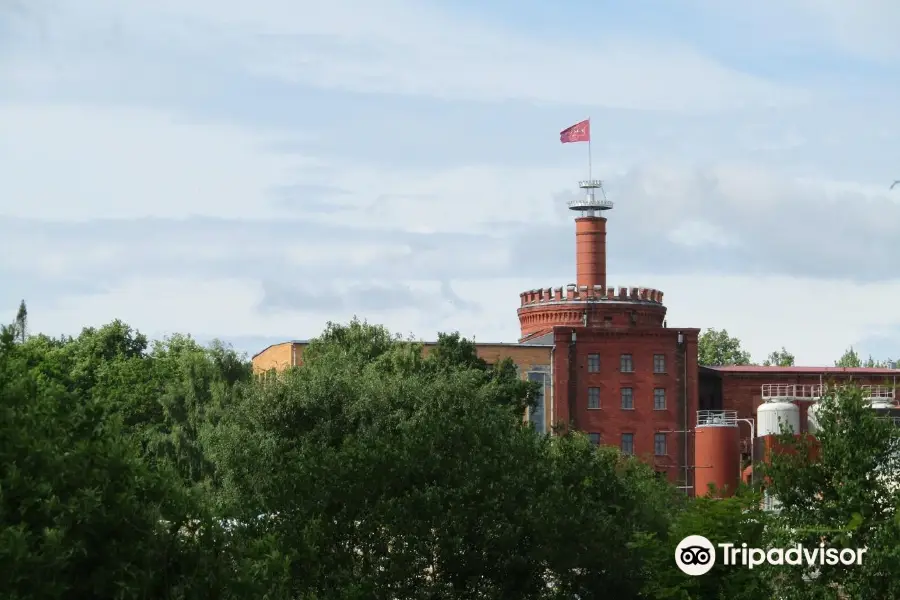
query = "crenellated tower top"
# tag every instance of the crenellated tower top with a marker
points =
(590, 302)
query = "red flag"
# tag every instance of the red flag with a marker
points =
(580, 132)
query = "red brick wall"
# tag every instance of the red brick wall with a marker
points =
(611, 420)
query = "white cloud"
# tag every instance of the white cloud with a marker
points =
(816, 320)
(141, 163)
(697, 233)
(497, 67)
(75, 163)
(78, 163)
(864, 28)
(358, 254)
(229, 307)
(72, 162)
(416, 48)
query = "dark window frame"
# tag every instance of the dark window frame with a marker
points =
(660, 438)
(628, 393)
(657, 396)
(659, 364)
(591, 392)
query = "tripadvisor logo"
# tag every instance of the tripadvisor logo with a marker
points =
(696, 555)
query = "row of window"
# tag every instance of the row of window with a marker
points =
(627, 396)
(626, 363)
(660, 446)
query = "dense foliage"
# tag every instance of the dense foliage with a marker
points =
(374, 471)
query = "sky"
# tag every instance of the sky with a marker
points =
(251, 171)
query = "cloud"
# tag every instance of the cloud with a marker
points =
(882, 345)
(362, 297)
(254, 170)
(764, 312)
(230, 307)
(726, 219)
(414, 48)
(864, 29)
(731, 219)
(72, 163)
(131, 163)
(103, 253)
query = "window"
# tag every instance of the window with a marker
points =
(594, 397)
(627, 399)
(595, 438)
(659, 363)
(627, 443)
(593, 363)
(626, 365)
(536, 414)
(659, 444)
(659, 399)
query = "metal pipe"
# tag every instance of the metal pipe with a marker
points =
(752, 443)
(687, 482)
(552, 386)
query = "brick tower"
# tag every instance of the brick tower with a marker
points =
(589, 302)
(619, 374)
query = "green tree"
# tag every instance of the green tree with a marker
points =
(738, 519)
(780, 358)
(717, 348)
(164, 393)
(21, 322)
(849, 359)
(384, 473)
(168, 395)
(501, 381)
(871, 363)
(841, 490)
(81, 515)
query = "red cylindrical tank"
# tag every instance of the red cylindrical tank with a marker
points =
(590, 252)
(769, 445)
(717, 459)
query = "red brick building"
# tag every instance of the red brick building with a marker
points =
(612, 368)
(744, 388)
(618, 372)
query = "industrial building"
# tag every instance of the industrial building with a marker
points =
(612, 367)
(794, 407)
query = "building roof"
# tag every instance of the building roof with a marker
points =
(760, 369)
(278, 344)
(539, 340)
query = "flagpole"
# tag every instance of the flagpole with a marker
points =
(589, 150)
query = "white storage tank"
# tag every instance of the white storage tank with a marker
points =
(812, 415)
(812, 419)
(770, 415)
